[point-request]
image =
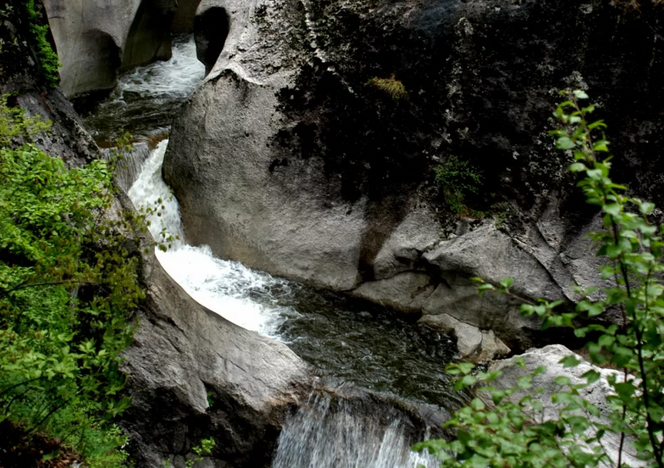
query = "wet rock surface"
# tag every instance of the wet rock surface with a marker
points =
(291, 159)
(194, 375)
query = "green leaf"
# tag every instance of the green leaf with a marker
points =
(562, 380)
(565, 143)
(591, 376)
(601, 145)
(577, 167)
(570, 361)
(477, 404)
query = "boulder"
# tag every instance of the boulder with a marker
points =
(472, 343)
(297, 156)
(95, 39)
(596, 393)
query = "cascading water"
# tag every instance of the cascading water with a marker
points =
(312, 437)
(365, 345)
(149, 191)
(146, 97)
(221, 286)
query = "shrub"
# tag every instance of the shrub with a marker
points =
(457, 180)
(48, 58)
(68, 283)
(515, 433)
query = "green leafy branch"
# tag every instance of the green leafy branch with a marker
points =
(513, 432)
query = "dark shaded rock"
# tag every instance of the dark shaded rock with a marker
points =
(292, 160)
(183, 21)
(23, 83)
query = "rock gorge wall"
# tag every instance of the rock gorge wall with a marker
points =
(96, 38)
(288, 161)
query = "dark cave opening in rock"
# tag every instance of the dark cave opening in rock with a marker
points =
(211, 29)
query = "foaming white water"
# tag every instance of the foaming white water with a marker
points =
(150, 192)
(228, 288)
(242, 296)
(332, 433)
(173, 79)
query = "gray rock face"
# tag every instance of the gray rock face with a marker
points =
(596, 393)
(193, 375)
(278, 221)
(288, 161)
(23, 84)
(94, 39)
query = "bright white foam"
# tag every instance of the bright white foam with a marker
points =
(174, 78)
(149, 191)
(325, 433)
(226, 287)
(240, 295)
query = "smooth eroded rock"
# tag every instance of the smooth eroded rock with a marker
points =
(192, 374)
(95, 39)
(296, 157)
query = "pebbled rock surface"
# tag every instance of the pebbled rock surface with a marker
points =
(289, 161)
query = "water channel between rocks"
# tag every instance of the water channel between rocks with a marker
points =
(354, 342)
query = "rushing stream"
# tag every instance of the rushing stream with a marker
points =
(352, 341)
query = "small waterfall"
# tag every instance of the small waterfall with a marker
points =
(173, 80)
(227, 288)
(333, 432)
(328, 431)
(150, 192)
(146, 98)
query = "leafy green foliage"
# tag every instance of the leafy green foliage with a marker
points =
(457, 180)
(201, 450)
(14, 123)
(68, 283)
(48, 58)
(514, 432)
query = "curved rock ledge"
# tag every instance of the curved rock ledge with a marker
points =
(192, 374)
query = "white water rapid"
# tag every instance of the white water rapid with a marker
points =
(329, 433)
(326, 432)
(173, 79)
(219, 285)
